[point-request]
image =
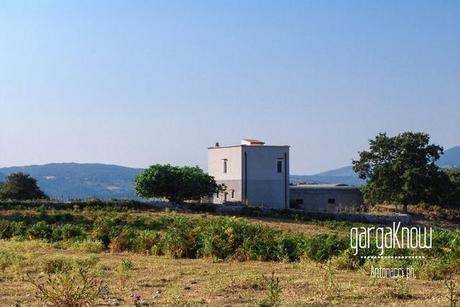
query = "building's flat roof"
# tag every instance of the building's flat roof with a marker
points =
(244, 145)
(332, 186)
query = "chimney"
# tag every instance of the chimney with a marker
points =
(217, 144)
(251, 142)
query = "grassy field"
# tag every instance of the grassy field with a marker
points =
(139, 258)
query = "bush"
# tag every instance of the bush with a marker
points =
(180, 240)
(435, 268)
(87, 245)
(346, 261)
(144, 241)
(10, 229)
(58, 265)
(323, 247)
(123, 241)
(8, 258)
(40, 230)
(78, 287)
(68, 232)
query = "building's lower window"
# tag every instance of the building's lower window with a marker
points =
(225, 166)
(233, 193)
(296, 204)
(331, 201)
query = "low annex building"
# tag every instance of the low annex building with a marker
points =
(324, 197)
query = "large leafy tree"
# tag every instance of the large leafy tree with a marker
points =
(175, 183)
(453, 195)
(401, 169)
(22, 187)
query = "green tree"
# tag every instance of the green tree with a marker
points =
(453, 195)
(21, 186)
(402, 170)
(175, 183)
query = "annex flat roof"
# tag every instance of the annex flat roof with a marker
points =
(332, 186)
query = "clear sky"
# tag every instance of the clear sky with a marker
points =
(142, 82)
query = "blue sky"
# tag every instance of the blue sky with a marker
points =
(143, 82)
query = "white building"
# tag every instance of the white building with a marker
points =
(253, 173)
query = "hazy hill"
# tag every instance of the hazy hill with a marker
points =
(75, 180)
(450, 158)
(2, 177)
(340, 175)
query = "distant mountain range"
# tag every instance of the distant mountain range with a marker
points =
(81, 180)
(77, 180)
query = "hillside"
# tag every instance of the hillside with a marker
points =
(75, 180)
(450, 158)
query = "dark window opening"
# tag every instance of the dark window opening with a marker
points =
(279, 166)
(225, 165)
(233, 193)
(331, 201)
(296, 204)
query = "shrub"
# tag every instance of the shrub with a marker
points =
(273, 297)
(78, 287)
(58, 265)
(123, 241)
(144, 241)
(323, 247)
(127, 264)
(180, 240)
(345, 261)
(40, 230)
(8, 258)
(10, 229)
(102, 230)
(435, 268)
(87, 245)
(68, 232)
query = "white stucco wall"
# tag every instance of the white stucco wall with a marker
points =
(231, 179)
(265, 186)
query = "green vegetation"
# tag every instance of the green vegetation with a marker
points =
(402, 170)
(219, 238)
(196, 253)
(175, 183)
(21, 186)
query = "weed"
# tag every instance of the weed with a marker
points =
(273, 297)
(74, 288)
(127, 264)
(452, 295)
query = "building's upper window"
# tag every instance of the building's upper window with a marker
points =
(225, 165)
(279, 166)
(331, 201)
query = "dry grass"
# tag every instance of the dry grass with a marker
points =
(164, 281)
